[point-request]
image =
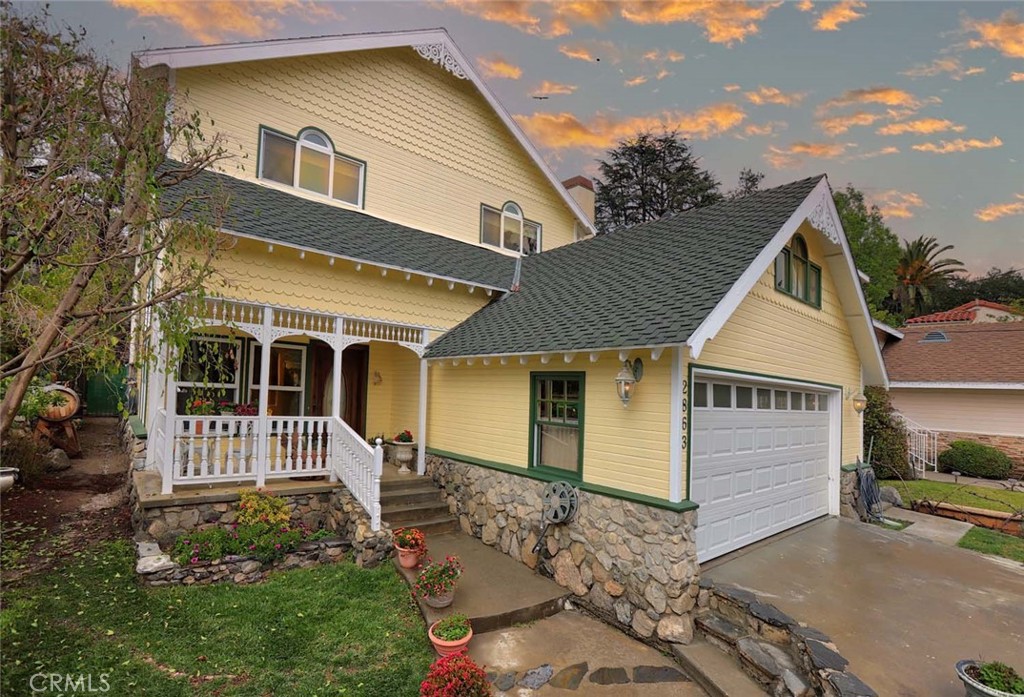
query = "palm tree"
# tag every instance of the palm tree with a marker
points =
(919, 271)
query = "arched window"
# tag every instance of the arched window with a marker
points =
(796, 274)
(509, 229)
(309, 162)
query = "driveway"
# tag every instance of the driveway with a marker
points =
(902, 609)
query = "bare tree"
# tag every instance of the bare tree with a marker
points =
(89, 236)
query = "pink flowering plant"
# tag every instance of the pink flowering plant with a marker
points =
(437, 578)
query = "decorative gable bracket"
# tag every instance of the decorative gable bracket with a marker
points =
(439, 53)
(821, 218)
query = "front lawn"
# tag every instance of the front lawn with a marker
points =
(331, 630)
(991, 542)
(960, 494)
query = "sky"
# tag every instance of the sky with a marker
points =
(918, 104)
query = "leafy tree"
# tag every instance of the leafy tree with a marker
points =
(885, 436)
(749, 183)
(88, 240)
(648, 176)
(920, 271)
(875, 249)
(997, 285)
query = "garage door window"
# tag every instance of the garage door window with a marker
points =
(558, 422)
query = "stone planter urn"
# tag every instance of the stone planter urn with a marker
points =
(445, 648)
(439, 601)
(403, 454)
(973, 688)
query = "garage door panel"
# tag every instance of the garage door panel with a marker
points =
(757, 471)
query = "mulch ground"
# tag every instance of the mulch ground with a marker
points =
(64, 512)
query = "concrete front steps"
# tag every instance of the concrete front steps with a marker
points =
(413, 501)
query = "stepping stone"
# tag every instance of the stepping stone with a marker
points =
(571, 677)
(609, 676)
(648, 674)
(536, 678)
(504, 681)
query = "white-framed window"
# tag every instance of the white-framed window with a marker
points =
(508, 229)
(209, 369)
(310, 163)
(716, 395)
(285, 392)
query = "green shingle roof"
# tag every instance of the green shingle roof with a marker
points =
(277, 216)
(650, 285)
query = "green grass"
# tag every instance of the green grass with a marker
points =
(991, 542)
(960, 494)
(331, 630)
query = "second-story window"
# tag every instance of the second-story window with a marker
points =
(796, 274)
(508, 229)
(310, 163)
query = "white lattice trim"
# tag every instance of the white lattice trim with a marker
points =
(439, 53)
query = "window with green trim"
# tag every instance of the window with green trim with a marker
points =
(557, 422)
(796, 274)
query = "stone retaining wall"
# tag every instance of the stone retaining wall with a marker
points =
(631, 564)
(349, 520)
(133, 445)
(1013, 446)
(849, 495)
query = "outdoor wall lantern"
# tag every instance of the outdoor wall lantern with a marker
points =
(629, 375)
(860, 402)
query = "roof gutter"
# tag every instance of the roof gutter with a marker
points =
(957, 385)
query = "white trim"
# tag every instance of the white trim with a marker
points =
(882, 326)
(524, 355)
(957, 385)
(835, 420)
(300, 388)
(676, 415)
(864, 278)
(819, 206)
(195, 56)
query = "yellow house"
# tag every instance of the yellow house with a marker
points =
(402, 259)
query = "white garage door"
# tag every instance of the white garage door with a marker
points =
(759, 460)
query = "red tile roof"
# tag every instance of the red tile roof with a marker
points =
(962, 313)
(988, 352)
(578, 181)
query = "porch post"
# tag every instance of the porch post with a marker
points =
(336, 383)
(170, 429)
(263, 445)
(421, 453)
(677, 414)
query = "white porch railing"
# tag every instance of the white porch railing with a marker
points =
(226, 448)
(359, 466)
(159, 439)
(923, 446)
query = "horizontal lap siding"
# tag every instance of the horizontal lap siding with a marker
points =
(995, 412)
(484, 412)
(434, 148)
(773, 334)
(392, 405)
(249, 272)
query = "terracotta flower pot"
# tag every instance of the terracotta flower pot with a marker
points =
(439, 601)
(408, 558)
(445, 648)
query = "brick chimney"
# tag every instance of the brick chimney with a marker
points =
(582, 189)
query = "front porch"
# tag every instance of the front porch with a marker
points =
(298, 394)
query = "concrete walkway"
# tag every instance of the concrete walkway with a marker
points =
(945, 531)
(902, 609)
(973, 481)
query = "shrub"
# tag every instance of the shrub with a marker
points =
(455, 675)
(452, 627)
(975, 460)
(23, 450)
(261, 541)
(258, 506)
(890, 455)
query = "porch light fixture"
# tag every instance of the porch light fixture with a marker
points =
(860, 402)
(629, 375)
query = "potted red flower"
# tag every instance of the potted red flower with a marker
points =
(450, 634)
(402, 445)
(455, 675)
(410, 543)
(436, 581)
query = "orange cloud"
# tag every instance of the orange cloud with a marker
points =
(663, 73)
(839, 13)
(794, 155)
(515, 13)
(773, 95)
(549, 88)
(888, 96)
(498, 67)
(564, 130)
(218, 20)
(636, 81)
(1005, 34)
(1001, 210)
(949, 66)
(836, 125)
(768, 128)
(724, 21)
(959, 145)
(888, 150)
(898, 204)
(731, 88)
(669, 56)
(920, 126)
(805, 5)
(591, 51)
(1016, 77)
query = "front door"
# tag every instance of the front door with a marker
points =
(354, 364)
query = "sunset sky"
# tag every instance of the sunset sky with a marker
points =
(918, 104)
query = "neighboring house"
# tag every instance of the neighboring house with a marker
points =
(402, 259)
(974, 312)
(962, 379)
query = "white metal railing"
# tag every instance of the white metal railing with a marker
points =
(923, 446)
(359, 466)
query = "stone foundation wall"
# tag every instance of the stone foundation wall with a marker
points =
(1013, 446)
(133, 445)
(849, 496)
(349, 520)
(633, 565)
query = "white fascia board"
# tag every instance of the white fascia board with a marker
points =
(882, 326)
(359, 260)
(196, 56)
(957, 385)
(553, 351)
(863, 332)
